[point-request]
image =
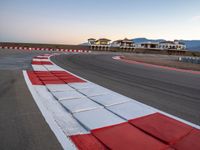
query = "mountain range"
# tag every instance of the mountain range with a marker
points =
(193, 45)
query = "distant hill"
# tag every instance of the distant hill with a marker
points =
(193, 45)
(141, 40)
(84, 44)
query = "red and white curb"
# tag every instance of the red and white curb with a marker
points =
(84, 115)
(121, 58)
(46, 49)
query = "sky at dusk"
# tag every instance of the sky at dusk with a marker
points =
(74, 21)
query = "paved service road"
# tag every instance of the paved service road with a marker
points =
(174, 92)
(22, 126)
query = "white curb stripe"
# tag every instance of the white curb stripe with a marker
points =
(94, 91)
(131, 110)
(37, 59)
(67, 95)
(110, 99)
(81, 104)
(39, 68)
(85, 85)
(53, 68)
(97, 118)
(59, 88)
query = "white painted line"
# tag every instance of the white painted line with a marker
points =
(81, 104)
(97, 118)
(116, 57)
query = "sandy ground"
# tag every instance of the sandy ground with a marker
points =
(164, 60)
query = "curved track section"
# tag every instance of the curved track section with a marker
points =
(174, 92)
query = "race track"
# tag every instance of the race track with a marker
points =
(22, 124)
(174, 92)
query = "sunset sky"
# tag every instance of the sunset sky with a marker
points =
(74, 21)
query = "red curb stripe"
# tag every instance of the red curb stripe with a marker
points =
(177, 135)
(45, 75)
(54, 82)
(58, 72)
(73, 80)
(53, 77)
(191, 141)
(48, 78)
(36, 63)
(33, 78)
(87, 142)
(41, 63)
(46, 63)
(127, 137)
(65, 77)
(40, 57)
(162, 127)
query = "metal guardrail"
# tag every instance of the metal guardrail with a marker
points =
(194, 60)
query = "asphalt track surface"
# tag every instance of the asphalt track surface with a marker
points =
(177, 93)
(22, 126)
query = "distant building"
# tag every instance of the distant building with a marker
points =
(164, 45)
(149, 45)
(91, 41)
(100, 44)
(124, 44)
(172, 45)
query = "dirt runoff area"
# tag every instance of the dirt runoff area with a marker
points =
(162, 60)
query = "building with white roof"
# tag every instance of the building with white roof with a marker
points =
(123, 44)
(100, 44)
(173, 45)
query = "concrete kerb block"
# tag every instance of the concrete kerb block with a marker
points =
(65, 95)
(81, 104)
(97, 118)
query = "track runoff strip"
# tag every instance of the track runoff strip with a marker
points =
(86, 116)
(121, 58)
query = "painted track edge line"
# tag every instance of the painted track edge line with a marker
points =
(65, 142)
